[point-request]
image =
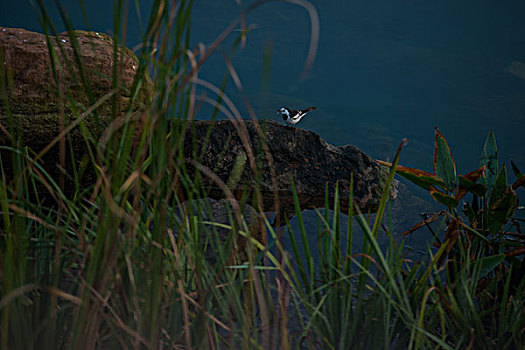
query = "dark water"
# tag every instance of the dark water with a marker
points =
(384, 70)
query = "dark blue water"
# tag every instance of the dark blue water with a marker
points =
(391, 69)
(384, 70)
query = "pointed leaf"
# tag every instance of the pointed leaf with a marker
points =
(503, 210)
(500, 185)
(444, 166)
(489, 158)
(466, 185)
(488, 263)
(419, 177)
(515, 170)
(467, 182)
(471, 210)
(475, 175)
(444, 199)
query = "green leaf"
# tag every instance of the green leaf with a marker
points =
(515, 170)
(503, 210)
(473, 187)
(444, 199)
(500, 185)
(444, 166)
(468, 183)
(489, 158)
(475, 175)
(488, 263)
(418, 177)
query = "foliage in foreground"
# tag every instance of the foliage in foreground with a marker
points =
(100, 267)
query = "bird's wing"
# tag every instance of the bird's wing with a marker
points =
(298, 115)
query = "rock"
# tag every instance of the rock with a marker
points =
(34, 109)
(33, 104)
(212, 238)
(402, 214)
(32, 88)
(297, 154)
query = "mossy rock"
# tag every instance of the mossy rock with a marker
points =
(46, 80)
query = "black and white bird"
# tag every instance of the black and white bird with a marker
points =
(292, 116)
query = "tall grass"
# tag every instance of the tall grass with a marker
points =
(124, 263)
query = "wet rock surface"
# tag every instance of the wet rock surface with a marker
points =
(296, 154)
(212, 238)
(401, 214)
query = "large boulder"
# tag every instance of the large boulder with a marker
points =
(37, 91)
(297, 155)
(32, 87)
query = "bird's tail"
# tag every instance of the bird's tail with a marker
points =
(308, 109)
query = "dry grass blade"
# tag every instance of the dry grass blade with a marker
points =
(75, 123)
(110, 201)
(6, 132)
(314, 31)
(107, 306)
(31, 216)
(424, 222)
(114, 126)
(284, 301)
(66, 296)
(263, 309)
(191, 108)
(267, 153)
(16, 293)
(516, 252)
(314, 36)
(238, 122)
(217, 180)
(210, 316)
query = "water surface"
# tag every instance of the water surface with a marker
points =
(384, 70)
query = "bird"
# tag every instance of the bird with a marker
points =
(292, 116)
